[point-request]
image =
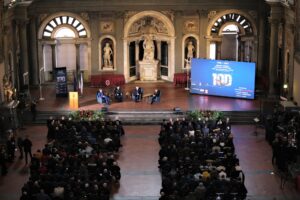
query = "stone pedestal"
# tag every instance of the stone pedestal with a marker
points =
(148, 70)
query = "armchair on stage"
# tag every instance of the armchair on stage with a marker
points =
(118, 94)
(102, 98)
(156, 96)
(137, 94)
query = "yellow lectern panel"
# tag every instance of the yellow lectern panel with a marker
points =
(73, 100)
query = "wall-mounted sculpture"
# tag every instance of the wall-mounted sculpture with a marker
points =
(107, 54)
(8, 88)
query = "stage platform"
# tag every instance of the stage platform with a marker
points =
(240, 111)
(171, 97)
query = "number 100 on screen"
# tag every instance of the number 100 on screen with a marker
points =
(222, 79)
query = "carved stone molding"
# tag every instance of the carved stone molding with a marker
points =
(107, 27)
(5, 29)
(191, 25)
(170, 14)
(253, 14)
(273, 21)
(148, 23)
(22, 23)
(129, 14)
(85, 16)
(42, 17)
(211, 14)
(107, 15)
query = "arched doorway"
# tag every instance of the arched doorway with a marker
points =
(231, 35)
(159, 29)
(64, 42)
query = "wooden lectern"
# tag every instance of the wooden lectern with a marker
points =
(73, 100)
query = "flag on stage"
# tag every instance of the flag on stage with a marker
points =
(80, 84)
(75, 81)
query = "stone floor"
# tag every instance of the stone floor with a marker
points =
(141, 178)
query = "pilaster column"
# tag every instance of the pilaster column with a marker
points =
(137, 51)
(274, 20)
(34, 68)
(77, 59)
(218, 50)
(95, 51)
(204, 44)
(158, 44)
(297, 31)
(14, 55)
(53, 56)
(273, 59)
(23, 49)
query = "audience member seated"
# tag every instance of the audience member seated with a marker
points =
(156, 96)
(118, 94)
(79, 163)
(137, 94)
(195, 165)
(282, 131)
(102, 98)
(3, 160)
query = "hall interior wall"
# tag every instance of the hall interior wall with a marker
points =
(115, 11)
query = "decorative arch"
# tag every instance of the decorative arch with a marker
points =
(241, 29)
(57, 20)
(151, 13)
(161, 28)
(57, 29)
(232, 16)
(114, 41)
(185, 37)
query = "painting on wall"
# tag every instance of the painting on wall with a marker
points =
(107, 27)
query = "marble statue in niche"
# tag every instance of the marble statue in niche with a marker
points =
(190, 54)
(107, 56)
(149, 48)
(8, 88)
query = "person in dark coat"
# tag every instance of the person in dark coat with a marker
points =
(20, 146)
(155, 96)
(3, 161)
(11, 145)
(33, 109)
(118, 94)
(27, 144)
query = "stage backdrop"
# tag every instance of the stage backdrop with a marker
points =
(223, 78)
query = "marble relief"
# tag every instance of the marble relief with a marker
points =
(107, 27)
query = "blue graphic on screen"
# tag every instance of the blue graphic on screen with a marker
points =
(223, 78)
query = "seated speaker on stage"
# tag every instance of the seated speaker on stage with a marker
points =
(137, 94)
(118, 94)
(156, 96)
(101, 97)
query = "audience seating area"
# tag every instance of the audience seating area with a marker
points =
(107, 80)
(282, 131)
(79, 162)
(197, 161)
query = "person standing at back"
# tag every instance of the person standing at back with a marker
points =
(27, 144)
(20, 146)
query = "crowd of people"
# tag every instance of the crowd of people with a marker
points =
(79, 162)
(197, 161)
(283, 133)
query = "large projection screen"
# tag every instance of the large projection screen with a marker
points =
(223, 78)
